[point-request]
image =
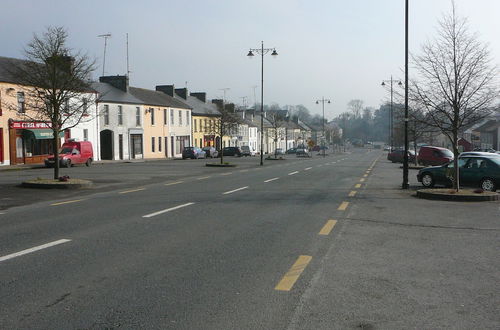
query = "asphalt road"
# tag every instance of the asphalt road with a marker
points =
(285, 246)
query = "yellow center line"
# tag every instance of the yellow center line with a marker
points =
(133, 190)
(293, 274)
(343, 206)
(327, 228)
(203, 178)
(67, 202)
(358, 185)
(365, 175)
(172, 183)
(362, 180)
(352, 193)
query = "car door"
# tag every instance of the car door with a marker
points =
(470, 172)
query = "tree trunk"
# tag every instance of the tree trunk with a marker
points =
(456, 174)
(55, 146)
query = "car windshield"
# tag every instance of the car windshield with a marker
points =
(188, 148)
(66, 150)
(495, 160)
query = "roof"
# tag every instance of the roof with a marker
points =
(151, 97)
(108, 93)
(6, 64)
(200, 108)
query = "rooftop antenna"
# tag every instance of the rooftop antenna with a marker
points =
(128, 71)
(244, 101)
(224, 89)
(105, 36)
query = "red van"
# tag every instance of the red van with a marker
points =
(73, 152)
(433, 156)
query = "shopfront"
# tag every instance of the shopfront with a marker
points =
(30, 142)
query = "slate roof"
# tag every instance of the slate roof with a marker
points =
(108, 93)
(5, 64)
(151, 97)
(200, 108)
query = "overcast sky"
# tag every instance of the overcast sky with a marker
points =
(339, 49)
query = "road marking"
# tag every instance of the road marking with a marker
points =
(343, 206)
(172, 183)
(358, 185)
(67, 202)
(227, 173)
(243, 170)
(365, 175)
(235, 190)
(133, 190)
(307, 168)
(320, 165)
(362, 180)
(271, 179)
(352, 193)
(292, 173)
(327, 228)
(293, 274)
(203, 177)
(166, 210)
(2, 212)
(34, 249)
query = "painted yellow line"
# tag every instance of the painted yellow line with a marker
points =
(362, 180)
(293, 274)
(365, 175)
(172, 183)
(203, 178)
(67, 202)
(133, 190)
(343, 206)
(327, 228)
(358, 185)
(352, 193)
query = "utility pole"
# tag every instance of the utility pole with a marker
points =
(105, 36)
(323, 100)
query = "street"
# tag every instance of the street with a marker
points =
(303, 243)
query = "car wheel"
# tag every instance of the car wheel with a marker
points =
(427, 180)
(488, 184)
(68, 163)
(88, 162)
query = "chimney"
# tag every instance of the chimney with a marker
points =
(200, 96)
(230, 107)
(218, 102)
(120, 82)
(167, 89)
(182, 92)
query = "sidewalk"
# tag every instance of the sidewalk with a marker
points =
(399, 262)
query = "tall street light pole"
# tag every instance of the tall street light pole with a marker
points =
(106, 36)
(323, 100)
(405, 184)
(262, 51)
(391, 112)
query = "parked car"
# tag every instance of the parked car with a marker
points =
(476, 171)
(232, 151)
(429, 155)
(315, 148)
(279, 151)
(396, 156)
(247, 151)
(193, 153)
(73, 152)
(291, 151)
(302, 152)
(477, 153)
(211, 152)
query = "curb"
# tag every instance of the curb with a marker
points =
(220, 165)
(429, 194)
(40, 185)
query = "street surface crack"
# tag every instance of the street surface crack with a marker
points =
(421, 225)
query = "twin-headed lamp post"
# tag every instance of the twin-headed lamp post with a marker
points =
(262, 51)
(323, 100)
(391, 114)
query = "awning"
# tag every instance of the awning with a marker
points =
(40, 134)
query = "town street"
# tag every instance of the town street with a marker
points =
(304, 243)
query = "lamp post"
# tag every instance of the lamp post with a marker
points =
(391, 122)
(405, 184)
(323, 100)
(262, 51)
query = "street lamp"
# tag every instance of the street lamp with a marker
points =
(262, 51)
(391, 121)
(323, 100)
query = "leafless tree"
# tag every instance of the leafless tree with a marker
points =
(224, 124)
(455, 84)
(55, 83)
(277, 120)
(356, 107)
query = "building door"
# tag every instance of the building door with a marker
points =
(106, 137)
(136, 144)
(166, 146)
(1, 145)
(172, 146)
(120, 146)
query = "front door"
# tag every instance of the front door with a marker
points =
(120, 146)
(106, 144)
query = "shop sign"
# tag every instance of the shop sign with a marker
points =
(29, 125)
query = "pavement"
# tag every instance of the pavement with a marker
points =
(319, 243)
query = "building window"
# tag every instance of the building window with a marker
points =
(20, 102)
(120, 115)
(172, 122)
(164, 116)
(152, 144)
(85, 106)
(180, 118)
(159, 144)
(66, 106)
(137, 116)
(106, 114)
(195, 126)
(187, 118)
(85, 134)
(206, 126)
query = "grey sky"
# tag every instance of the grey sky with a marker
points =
(337, 49)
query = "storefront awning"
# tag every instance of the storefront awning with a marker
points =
(40, 134)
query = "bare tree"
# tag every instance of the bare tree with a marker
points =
(224, 124)
(456, 82)
(56, 83)
(356, 107)
(277, 120)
